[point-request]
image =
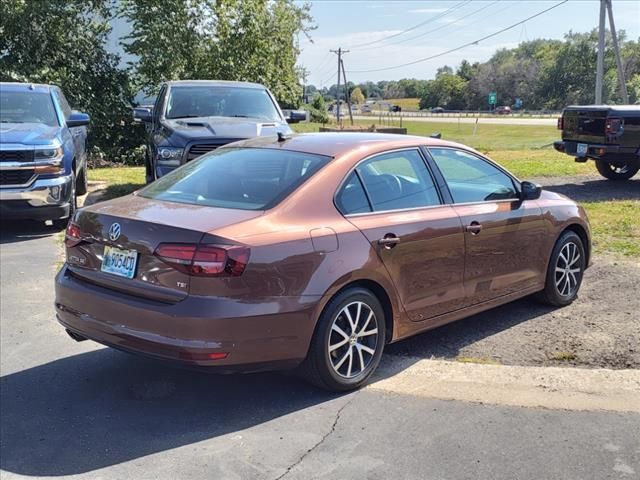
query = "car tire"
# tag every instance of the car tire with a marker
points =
(615, 172)
(82, 182)
(61, 223)
(565, 271)
(348, 342)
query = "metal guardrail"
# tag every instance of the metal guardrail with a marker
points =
(459, 114)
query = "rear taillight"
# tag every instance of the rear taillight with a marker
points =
(73, 235)
(205, 260)
(612, 126)
(560, 123)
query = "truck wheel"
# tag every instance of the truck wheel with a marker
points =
(148, 168)
(82, 185)
(616, 172)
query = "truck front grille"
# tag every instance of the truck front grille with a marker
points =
(201, 148)
(16, 155)
(15, 177)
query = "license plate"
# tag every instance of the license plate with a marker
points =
(119, 262)
(582, 150)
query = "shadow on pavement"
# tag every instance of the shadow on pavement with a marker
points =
(101, 408)
(14, 231)
(599, 190)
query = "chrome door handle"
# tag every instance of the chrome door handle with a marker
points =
(389, 241)
(474, 228)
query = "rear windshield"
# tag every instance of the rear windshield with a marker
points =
(27, 107)
(240, 178)
(207, 101)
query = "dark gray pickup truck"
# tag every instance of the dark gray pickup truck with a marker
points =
(608, 134)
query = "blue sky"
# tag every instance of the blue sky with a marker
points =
(352, 24)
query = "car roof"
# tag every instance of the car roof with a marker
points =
(24, 87)
(213, 83)
(333, 144)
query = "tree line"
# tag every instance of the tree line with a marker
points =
(544, 74)
(65, 42)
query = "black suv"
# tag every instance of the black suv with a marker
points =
(192, 117)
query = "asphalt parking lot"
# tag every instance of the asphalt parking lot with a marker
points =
(78, 409)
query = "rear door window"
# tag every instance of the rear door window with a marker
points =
(398, 180)
(242, 178)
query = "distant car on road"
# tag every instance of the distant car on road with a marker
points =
(365, 108)
(608, 134)
(503, 110)
(314, 251)
(437, 110)
(43, 153)
(193, 117)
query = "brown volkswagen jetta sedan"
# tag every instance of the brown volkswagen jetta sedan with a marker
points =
(314, 251)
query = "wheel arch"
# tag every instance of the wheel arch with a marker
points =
(584, 236)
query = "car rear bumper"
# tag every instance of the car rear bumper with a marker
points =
(254, 333)
(44, 199)
(593, 150)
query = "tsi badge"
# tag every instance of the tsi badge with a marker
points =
(114, 232)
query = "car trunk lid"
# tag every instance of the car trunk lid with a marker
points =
(142, 225)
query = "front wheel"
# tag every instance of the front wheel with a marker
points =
(565, 271)
(348, 342)
(82, 181)
(617, 172)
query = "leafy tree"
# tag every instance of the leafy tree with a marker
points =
(318, 110)
(250, 40)
(62, 42)
(356, 96)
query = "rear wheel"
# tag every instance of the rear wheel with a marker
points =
(622, 171)
(347, 345)
(565, 271)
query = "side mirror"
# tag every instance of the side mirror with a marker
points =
(142, 114)
(296, 116)
(77, 119)
(530, 191)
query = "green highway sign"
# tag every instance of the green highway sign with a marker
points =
(493, 98)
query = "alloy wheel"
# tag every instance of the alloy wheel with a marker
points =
(567, 273)
(353, 339)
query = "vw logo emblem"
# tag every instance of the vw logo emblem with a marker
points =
(114, 232)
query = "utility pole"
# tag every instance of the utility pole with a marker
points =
(606, 7)
(339, 52)
(616, 49)
(346, 91)
(600, 64)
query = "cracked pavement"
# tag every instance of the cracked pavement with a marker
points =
(79, 410)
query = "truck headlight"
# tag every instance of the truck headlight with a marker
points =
(49, 160)
(169, 156)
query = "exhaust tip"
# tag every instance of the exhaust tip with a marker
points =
(75, 336)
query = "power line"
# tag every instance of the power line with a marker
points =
(420, 60)
(442, 26)
(432, 19)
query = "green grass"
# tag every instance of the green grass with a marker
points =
(539, 163)
(564, 356)
(488, 137)
(120, 181)
(615, 226)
